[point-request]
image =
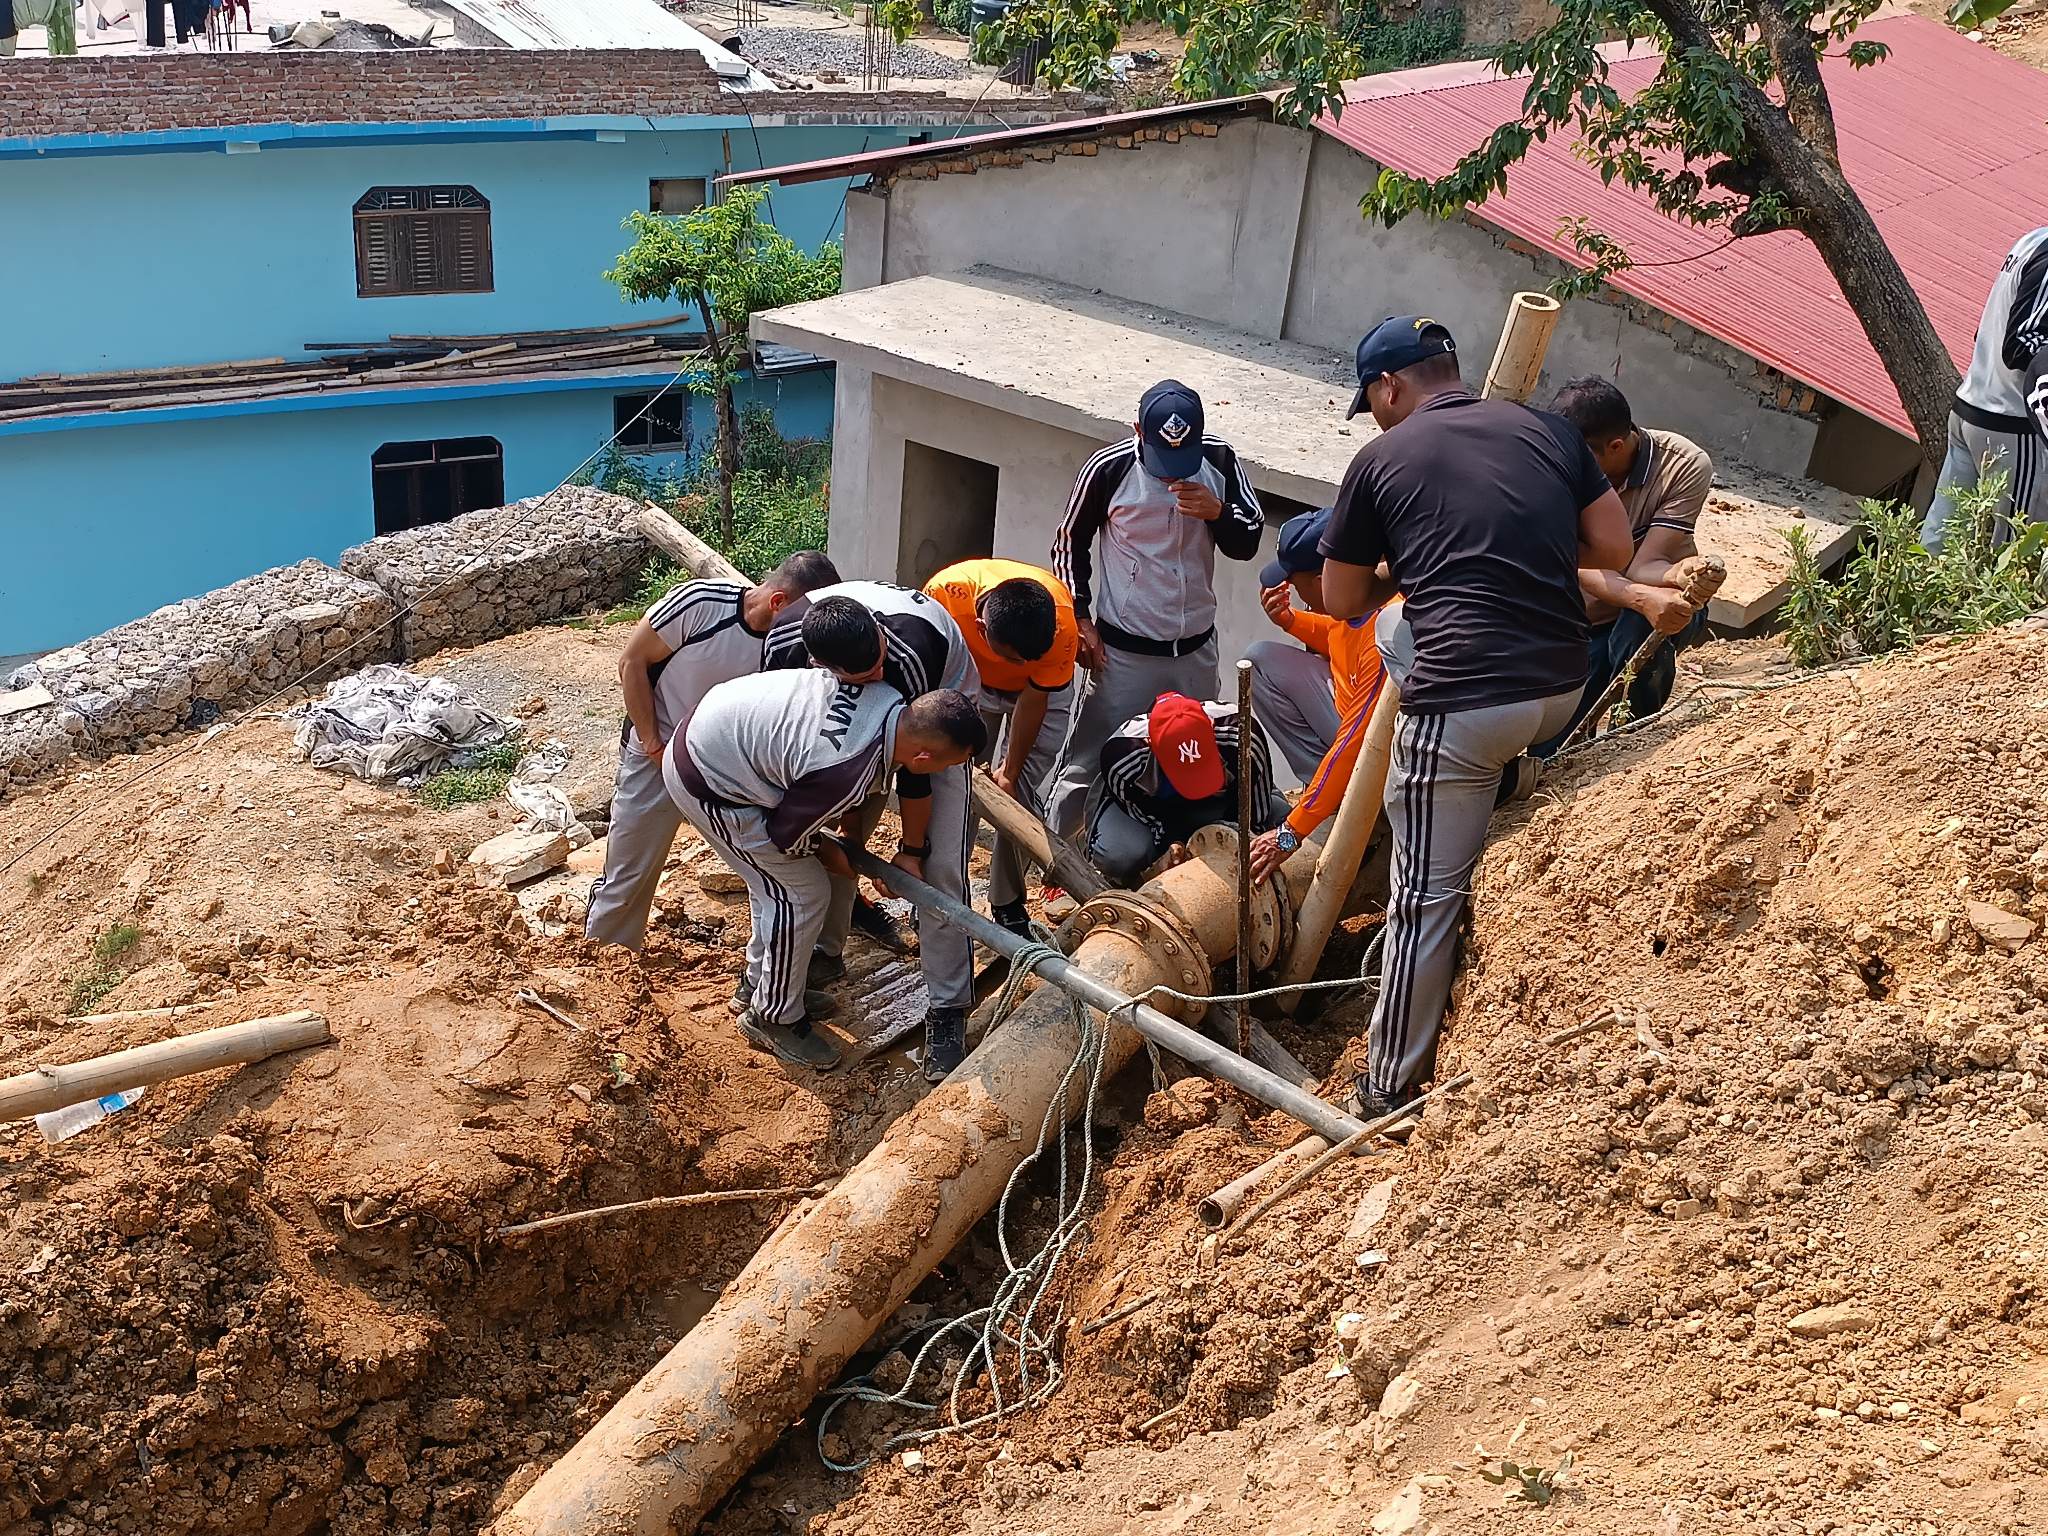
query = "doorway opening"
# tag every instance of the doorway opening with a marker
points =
(414, 484)
(949, 512)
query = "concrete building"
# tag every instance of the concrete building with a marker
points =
(178, 407)
(1009, 297)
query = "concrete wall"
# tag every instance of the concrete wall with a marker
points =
(106, 524)
(1259, 228)
(1035, 465)
(191, 257)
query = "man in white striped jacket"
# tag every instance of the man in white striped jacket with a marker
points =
(760, 768)
(2000, 414)
(1158, 508)
(701, 634)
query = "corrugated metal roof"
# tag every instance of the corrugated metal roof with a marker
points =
(599, 24)
(878, 161)
(1943, 140)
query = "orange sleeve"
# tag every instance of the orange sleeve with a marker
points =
(1311, 629)
(1332, 777)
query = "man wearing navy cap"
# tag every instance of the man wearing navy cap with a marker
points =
(1481, 513)
(1163, 503)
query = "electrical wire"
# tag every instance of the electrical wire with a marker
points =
(333, 664)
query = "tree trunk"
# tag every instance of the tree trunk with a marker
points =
(1893, 317)
(728, 462)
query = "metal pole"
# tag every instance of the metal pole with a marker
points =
(1198, 1050)
(1244, 858)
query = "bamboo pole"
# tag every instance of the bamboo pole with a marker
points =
(1350, 831)
(1518, 359)
(683, 546)
(1051, 852)
(42, 1089)
(1245, 747)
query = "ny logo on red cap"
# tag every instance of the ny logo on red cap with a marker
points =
(1191, 751)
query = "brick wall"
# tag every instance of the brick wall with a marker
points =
(141, 93)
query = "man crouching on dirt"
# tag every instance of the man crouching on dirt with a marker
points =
(701, 634)
(761, 766)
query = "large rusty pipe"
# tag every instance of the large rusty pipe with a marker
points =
(785, 1328)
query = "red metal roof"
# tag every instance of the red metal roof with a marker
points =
(1944, 140)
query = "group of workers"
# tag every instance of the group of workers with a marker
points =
(1499, 564)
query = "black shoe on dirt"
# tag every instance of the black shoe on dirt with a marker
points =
(1013, 916)
(817, 1005)
(742, 996)
(945, 1042)
(798, 1044)
(879, 926)
(1369, 1104)
(824, 969)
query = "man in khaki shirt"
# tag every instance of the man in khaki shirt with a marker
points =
(1663, 480)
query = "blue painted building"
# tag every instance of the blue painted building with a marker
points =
(191, 211)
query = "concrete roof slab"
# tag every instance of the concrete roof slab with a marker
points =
(1077, 360)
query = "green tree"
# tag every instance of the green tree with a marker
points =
(1735, 132)
(729, 263)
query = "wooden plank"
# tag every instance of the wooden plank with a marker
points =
(406, 370)
(1744, 522)
(150, 373)
(566, 331)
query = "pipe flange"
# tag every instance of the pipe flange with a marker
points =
(1272, 918)
(1180, 960)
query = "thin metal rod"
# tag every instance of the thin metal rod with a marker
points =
(1197, 1050)
(1245, 747)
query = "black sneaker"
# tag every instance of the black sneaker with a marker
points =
(879, 926)
(1369, 1104)
(1011, 915)
(798, 1043)
(817, 1005)
(945, 1042)
(824, 969)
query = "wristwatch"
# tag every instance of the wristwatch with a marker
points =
(1287, 838)
(921, 850)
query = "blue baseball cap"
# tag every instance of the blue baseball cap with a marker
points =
(1299, 548)
(1397, 342)
(1170, 430)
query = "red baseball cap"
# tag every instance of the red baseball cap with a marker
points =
(1185, 743)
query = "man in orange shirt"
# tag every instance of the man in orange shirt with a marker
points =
(1019, 624)
(1313, 703)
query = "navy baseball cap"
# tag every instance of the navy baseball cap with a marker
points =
(1299, 548)
(1397, 342)
(1170, 430)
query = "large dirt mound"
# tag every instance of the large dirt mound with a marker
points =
(269, 1300)
(1765, 1254)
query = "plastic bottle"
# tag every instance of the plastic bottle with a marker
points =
(62, 1124)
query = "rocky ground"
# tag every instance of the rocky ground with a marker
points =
(1763, 1253)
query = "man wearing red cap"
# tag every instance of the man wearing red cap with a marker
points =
(1171, 771)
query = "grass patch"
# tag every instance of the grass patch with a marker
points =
(1894, 592)
(483, 780)
(99, 978)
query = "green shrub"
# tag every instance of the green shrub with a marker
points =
(1893, 592)
(90, 988)
(483, 780)
(1423, 37)
(954, 15)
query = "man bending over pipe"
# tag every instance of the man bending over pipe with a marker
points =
(1170, 772)
(701, 634)
(1313, 702)
(1019, 623)
(1482, 513)
(870, 631)
(759, 768)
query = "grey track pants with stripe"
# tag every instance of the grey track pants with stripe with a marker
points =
(644, 825)
(1975, 453)
(998, 713)
(1127, 684)
(1440, 795)
(1296, 702)
(787, 895)
(945, 954)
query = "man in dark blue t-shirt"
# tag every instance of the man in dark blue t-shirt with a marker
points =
(1481, 513)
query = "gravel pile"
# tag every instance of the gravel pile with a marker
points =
(800, 51)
